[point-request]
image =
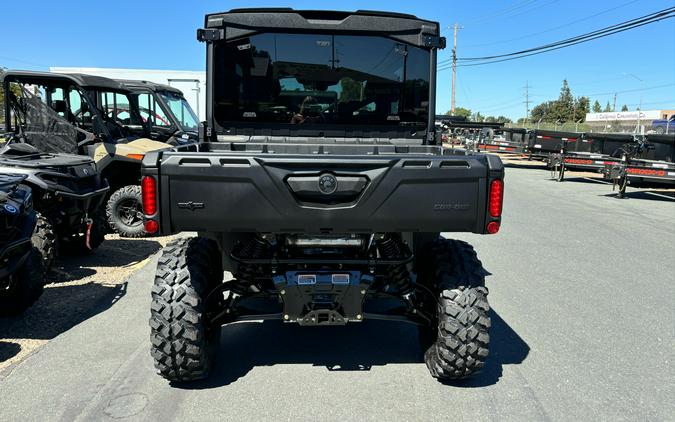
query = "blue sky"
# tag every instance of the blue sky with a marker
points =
(161, 35)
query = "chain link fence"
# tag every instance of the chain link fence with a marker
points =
(628, 126)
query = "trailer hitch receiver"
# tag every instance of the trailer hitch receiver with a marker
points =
(323, 297)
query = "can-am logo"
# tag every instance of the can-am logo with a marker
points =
(327, 184)
(451, 207)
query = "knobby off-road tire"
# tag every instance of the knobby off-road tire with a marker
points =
(124, 212)
(26, 286)
(44, 240)
(461, 340)
(184, 342)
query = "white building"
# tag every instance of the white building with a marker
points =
(646, 115)
(192, 83)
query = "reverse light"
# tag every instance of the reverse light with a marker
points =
(496, 198)
(149, 196)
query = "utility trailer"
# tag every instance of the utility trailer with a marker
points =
(472, 134)
(648, 162)
(322, 186)
(509, 141)
(543, 143)
(590, 152)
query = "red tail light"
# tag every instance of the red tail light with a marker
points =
(151, 226)
(492, 227)
(149, 195)
(496, 198)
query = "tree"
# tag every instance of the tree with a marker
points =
(582, 105)
(563, 108)
(543, 112)
(624, 108)
(500, 119)
(597, 108)
(608, 108)
(460, 111)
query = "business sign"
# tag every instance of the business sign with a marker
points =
(623, 115)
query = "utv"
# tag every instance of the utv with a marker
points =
(21, 270)
(110, 130)
(67, 191)
(323, 188)
(167, 112)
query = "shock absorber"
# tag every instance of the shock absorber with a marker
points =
(246, 273)
(392, 247)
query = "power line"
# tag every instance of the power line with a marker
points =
(653, 102)
(500, 12)
(665, 13)
(600, 33)
(555, 28)
(534, 8)
(629, 90)
(503, 105)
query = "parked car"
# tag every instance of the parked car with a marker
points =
(662, 126)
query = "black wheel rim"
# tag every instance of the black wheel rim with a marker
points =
(130, 212)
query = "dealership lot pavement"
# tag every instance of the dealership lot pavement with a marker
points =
(583, 326)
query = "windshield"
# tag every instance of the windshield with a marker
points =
(304, 79)
(181, 110)
(119, 112)
(38, 112)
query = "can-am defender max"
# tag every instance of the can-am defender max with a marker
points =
(67, 191)
(165, 109)
(323, 187)
(21, 269)
(110, 130)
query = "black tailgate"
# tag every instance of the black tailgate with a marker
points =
(221, 192)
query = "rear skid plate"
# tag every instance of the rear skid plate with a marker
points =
(323, 297)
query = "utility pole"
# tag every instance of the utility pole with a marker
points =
(527, 102)
(454, 68)
(639, 116)
(614, 107)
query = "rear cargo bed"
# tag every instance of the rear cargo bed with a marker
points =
(225, 191)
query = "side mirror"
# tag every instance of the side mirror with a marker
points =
(84, 108)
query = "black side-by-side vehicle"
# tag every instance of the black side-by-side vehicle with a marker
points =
(67, 189)
(322, 187)
(21, 269)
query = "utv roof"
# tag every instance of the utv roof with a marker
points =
(135, 85)
(85, 81)
(244, 22)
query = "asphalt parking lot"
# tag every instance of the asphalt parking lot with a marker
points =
(583, 316)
